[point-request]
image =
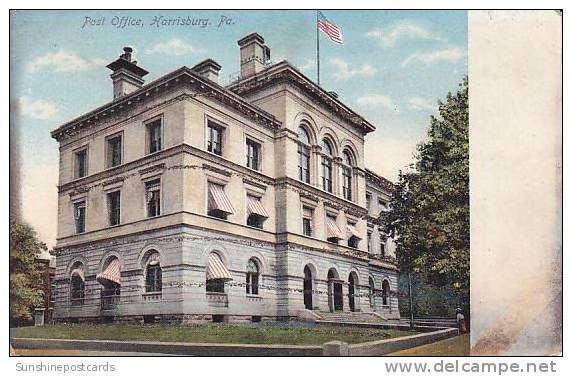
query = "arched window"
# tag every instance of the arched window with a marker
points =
(303, 155)
(347, 175)
(153, 274)
(252, 274)
(110, 279)
(77, 284)
(371, 292)
(385, 292)
(327, 154)
(353, 284)
(217, 274)
(308, 286)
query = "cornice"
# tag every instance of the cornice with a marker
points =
(328, 199)
(378, 181)
(284, 72)
(183, 77)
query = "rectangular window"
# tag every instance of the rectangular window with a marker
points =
(114, 208)
(79, 217)
(307, 219)
(218, 204)
(252, 154)
(153, 198)
(382, 246)
(114, 151)
(327, 174)
(353, 240)
(80, 163)
(214, 144)
(303, 163)
(154, 130)
(347, 183)
(332, 229)
(255, 220)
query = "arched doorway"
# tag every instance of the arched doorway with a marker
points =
(371, 293)
(385, 292)
(335, 294)
(352, 290)
(308, 287)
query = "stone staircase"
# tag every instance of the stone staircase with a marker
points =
(443, 322)
(350, 317)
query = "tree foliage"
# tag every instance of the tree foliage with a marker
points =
(429, 211)
(25, 273)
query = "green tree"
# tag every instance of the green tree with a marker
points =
(25, 273)
(429, 211)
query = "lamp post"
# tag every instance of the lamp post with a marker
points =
(410, 300)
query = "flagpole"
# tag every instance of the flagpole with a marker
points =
(318, 46)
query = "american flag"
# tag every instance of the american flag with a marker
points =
(330, 29)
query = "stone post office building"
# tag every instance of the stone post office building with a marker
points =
(182, 200)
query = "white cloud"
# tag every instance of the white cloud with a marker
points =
(389, 36)
(36, 109)
(377, 100)
(418, 103)
(307, 66)
(451, 55)
(344, 72)
(64, 61)
(173, 47)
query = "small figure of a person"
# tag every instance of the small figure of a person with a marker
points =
(461, 325)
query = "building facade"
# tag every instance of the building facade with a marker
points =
(186, 201)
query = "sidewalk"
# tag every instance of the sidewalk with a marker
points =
(456, 346)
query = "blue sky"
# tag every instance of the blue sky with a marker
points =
(393, 68)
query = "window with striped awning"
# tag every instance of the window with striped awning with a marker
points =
(352, 231)
(334, 231)
(112, 273)
(218, 200)
(255, 206)
(216, 269)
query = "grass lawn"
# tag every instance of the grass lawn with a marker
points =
(456, 346)
(213, 333)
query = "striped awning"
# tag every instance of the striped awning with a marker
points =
(352, 231)
(79, 272)
(255, 207)
(218, 200)
(111, 274)
(216, 269)
(154, 259)
(333, 229)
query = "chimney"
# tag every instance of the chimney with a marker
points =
(208, 69)
(127, 76)
(254, 55)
